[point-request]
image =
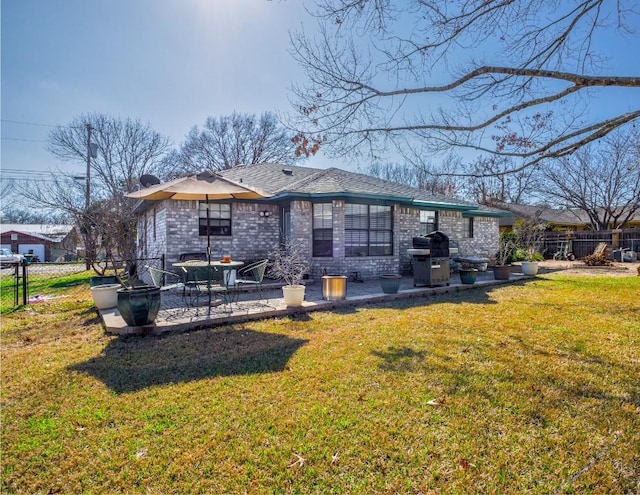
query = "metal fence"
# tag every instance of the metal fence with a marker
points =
(583, 243)
(23, 284)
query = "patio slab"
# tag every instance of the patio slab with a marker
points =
(175, 317)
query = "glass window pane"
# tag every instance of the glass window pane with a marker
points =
(219, 219)
(380, 243)
(322, 215)
(356, 216)
(380, 217)
(428, 221)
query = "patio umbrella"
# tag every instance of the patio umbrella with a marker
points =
(204, 186)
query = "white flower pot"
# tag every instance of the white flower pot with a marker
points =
(105, 296)
(293, 295)
(530, 268)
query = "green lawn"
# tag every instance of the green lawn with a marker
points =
(527, 388)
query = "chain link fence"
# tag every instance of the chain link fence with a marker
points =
(23, 284)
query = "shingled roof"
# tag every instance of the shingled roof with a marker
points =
(287, 180)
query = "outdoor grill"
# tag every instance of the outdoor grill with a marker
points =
(430, 259)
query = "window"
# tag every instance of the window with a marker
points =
(322, 229)
(219, 219)
(468, 226)
(368, 230)
(428, 221)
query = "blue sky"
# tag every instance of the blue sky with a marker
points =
(170, 63)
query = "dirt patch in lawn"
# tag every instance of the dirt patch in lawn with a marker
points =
(580, 269)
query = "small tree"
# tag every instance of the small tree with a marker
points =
(289, 263)
(528, 239)
(506, 247)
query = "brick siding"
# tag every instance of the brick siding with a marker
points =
(255, 236)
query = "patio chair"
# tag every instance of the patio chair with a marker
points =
(159, 277)
(251, 276)
(207, 281)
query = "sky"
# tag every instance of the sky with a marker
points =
(169, 63)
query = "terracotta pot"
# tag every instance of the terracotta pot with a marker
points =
(501, 272)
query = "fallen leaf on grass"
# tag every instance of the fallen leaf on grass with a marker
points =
(298, 462)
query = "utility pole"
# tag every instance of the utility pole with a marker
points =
(87, 198)
(87, 191)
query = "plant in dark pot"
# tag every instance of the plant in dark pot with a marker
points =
(139, 305)
(506, 246)
(137, 302)
(390, 282)
(468, 274)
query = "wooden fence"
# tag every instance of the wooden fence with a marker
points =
(584, 242)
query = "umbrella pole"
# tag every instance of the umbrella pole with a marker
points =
(208, 255)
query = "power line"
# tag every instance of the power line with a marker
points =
(27, 123)
(25, 140)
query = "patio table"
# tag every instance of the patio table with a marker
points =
(192, 265)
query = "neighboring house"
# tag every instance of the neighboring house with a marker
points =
(345, 221)
(47, 242)
(558, 219)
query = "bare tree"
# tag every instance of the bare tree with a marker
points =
(126, 150)
(20, 215)
(602, 179)
(502, 77)
(237, 139)
(430, 178)
(489, 182)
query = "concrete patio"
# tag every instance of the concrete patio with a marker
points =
(175, 316)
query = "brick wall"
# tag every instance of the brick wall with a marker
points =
(255, 236)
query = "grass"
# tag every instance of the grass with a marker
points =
(528, 388)
(48, 283)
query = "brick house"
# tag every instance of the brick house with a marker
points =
(345, 221)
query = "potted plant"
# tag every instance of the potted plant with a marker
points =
(468, 273)
(528, 240)
(289, 263)
(105, 296)
(390, 282)
(506, 246)
(139, 305)
(530, 263)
